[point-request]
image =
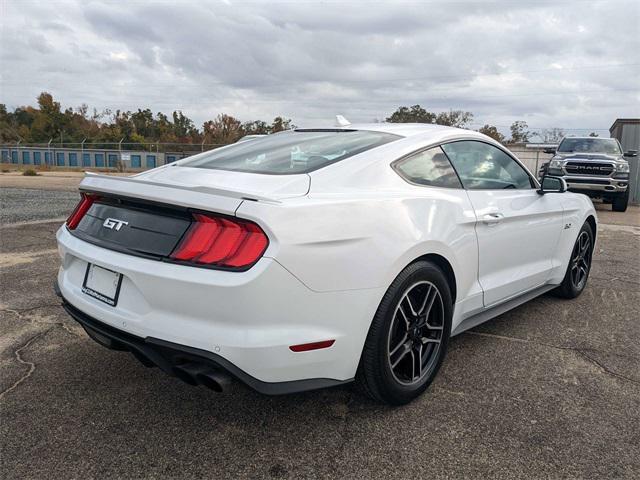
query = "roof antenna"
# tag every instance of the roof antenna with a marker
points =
(341, 121)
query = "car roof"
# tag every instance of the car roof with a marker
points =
(401, 129)
(404, 129)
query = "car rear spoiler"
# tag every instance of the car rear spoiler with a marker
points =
(197, 196)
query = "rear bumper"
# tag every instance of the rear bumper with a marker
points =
(192, 365)
(248, 319)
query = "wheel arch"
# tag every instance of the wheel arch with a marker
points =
(594, 227)
(446, 268)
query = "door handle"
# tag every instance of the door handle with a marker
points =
(492, 218)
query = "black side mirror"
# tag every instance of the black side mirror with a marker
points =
(542, 171)
(631, 153)
(551, 151)
(550, 184)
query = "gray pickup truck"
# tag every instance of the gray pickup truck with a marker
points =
(593, 166)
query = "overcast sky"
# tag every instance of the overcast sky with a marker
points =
(570, 64)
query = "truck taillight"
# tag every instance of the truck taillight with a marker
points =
(222, 242)
(81, 209)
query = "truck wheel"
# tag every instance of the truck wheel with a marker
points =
(620, 202)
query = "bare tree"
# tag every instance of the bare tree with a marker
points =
(551, 135)
(519, 132)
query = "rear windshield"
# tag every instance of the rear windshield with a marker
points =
(297, 151)
(589, 145)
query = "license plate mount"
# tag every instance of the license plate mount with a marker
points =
(102, 284)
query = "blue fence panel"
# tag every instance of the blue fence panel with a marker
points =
(78, 158)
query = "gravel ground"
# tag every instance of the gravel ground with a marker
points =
(25, 205)
(548, 390)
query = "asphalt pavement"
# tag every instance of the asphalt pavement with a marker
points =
(25, 204)
(548, 390)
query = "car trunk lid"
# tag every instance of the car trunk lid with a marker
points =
(133, 227)
(148, 214)
(214, 190)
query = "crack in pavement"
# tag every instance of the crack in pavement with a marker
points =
(604, 368)
(20, 311)
(20, 314)
(579, 351)
(32, 366)
(615, 279)
(346, 435)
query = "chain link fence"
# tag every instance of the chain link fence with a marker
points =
(119, 156)
(135, 156)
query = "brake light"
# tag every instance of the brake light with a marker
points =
(81, 209)
(221, 241)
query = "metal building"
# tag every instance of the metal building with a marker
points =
(627, 131)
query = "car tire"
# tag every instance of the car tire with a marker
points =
(577, 274)
(620, 202)
(410, 329)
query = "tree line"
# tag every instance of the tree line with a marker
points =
(137, 129)
(519, 129)
(142, 128)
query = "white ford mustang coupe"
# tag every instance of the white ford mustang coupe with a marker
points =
(316, 257)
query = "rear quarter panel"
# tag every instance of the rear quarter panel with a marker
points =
(363, 241)
(361, 224)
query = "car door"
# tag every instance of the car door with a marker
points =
(517, 228)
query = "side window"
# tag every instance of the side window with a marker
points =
(484, 167)
(430, 167)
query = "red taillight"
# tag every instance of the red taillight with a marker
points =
(221, 241)
(81, 209)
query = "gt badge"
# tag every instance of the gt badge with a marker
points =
(114, 224)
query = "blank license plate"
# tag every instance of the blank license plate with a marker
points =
(102, 284)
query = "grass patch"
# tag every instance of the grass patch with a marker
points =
(30, 172)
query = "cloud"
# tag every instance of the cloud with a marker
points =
(570, 64)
